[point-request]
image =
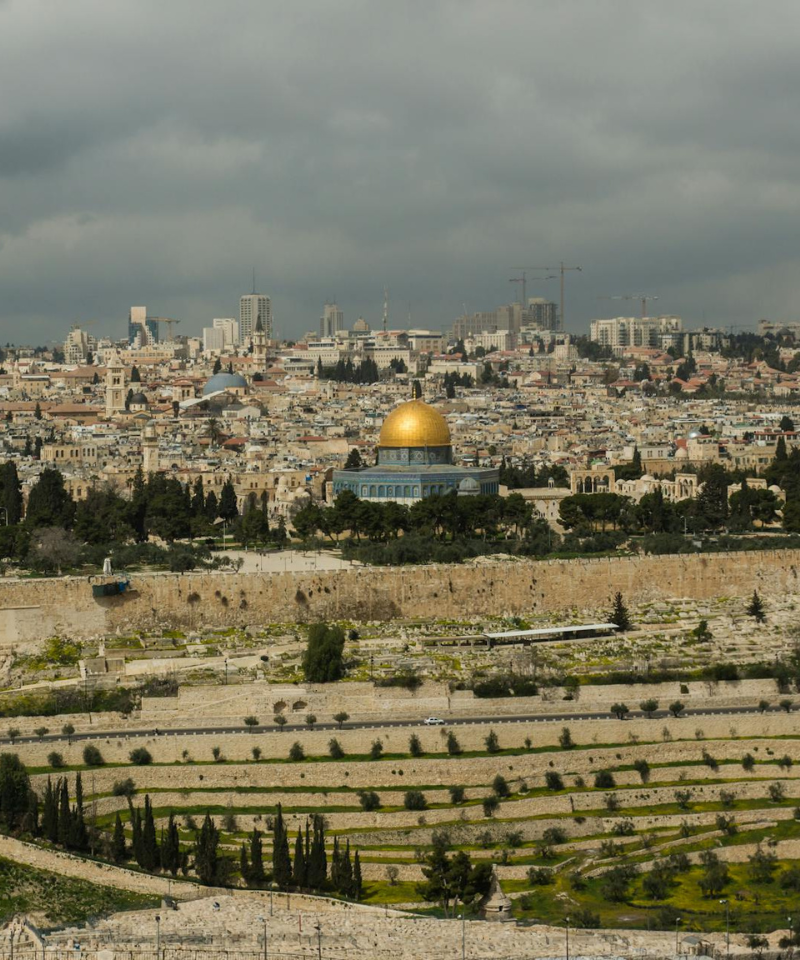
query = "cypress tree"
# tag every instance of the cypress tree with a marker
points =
(50, 813)
(118, 849)
(205, 856)
(149, 842)
(244, 865)
(256, 858)
(64, 814)
(336, 870)
(136, 832)
(171, 848)
(346, 873)
(357, 882)
(281, 861)
(317, 866)
(299, 872)
(78, 836)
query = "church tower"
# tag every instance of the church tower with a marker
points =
(115, 385)
(259, 346)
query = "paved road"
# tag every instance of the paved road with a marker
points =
(217, 730)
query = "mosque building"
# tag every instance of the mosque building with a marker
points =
(415, 459)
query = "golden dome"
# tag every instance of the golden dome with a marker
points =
(414, 424)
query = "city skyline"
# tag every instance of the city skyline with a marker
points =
(447, 149)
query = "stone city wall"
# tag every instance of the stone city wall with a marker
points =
(33, 609)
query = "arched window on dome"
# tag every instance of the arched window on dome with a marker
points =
(406, 491)
(381, 491)
(372, 491)
(416, 491)
(364, 490)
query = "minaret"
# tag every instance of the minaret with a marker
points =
(149, 449)
(115, 385)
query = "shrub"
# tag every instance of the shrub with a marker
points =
(500, 786)
(514, 839)
(786, 705)
(710, 761)
(748, 762)
(726, 824)
(311, 719)
(683, 798)
(539, 876)
(649, 707)
(642, 767)
(620, 710)
(123, 788)
(256, 752)
(376, 750)
(763, 706)
(280, 720)
(67, 730)
(490, 805)
(216, 753)
(369, 800)
(457, 794)
(777, 792)
(92, 756)
(611, 801)
(341, 718)
(553, 836)
(415, 800)
(296, 752)
(727, 798)
(604, 780)
(42, 731)
(585, 919)
(624, 828)
(335, 749)
(13, 733)
(453, 746)
(141, 757)
(553, 780)
(55, 760)
(251, 722)
(785, 763)
(676, 708)
(492, 743)
(415, 746)
(565, 739)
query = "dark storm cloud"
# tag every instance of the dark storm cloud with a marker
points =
(154, 153)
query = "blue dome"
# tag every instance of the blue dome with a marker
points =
(224, 381)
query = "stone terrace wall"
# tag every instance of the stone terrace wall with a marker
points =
(33, 609)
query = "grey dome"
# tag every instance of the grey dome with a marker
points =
(139, 398)
(469, 486)
(224, 381)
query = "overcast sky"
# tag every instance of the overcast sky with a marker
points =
(154, 152)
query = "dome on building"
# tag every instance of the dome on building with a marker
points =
(224, 381)
(414, 424)
(469, 487)
(139, 400)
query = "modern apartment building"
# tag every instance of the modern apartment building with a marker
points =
(251, 307)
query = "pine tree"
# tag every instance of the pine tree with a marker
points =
(118, 849)
(299, 877)
(50, 813)
(281, 861)
(228, 507)
(256, 858)
(755, 608)
(619, 614)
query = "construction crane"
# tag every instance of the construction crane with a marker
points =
(524, 281)
(169, 321)
(561, 269)
(633, 296)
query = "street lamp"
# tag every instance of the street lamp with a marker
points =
(158, 937)
(677, 923)
(791, 930)
(318, 928)
(264, 921)
(463, 935)
(272, 888)
(727, 928)
(566, 927)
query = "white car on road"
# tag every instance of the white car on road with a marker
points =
(434, 722)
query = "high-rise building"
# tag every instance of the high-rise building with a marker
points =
(213, 340)
(332, 321)
(620, 332)
(76, 346)
(541, 314)
(230, 330)
(142, 330)
(251, 307)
